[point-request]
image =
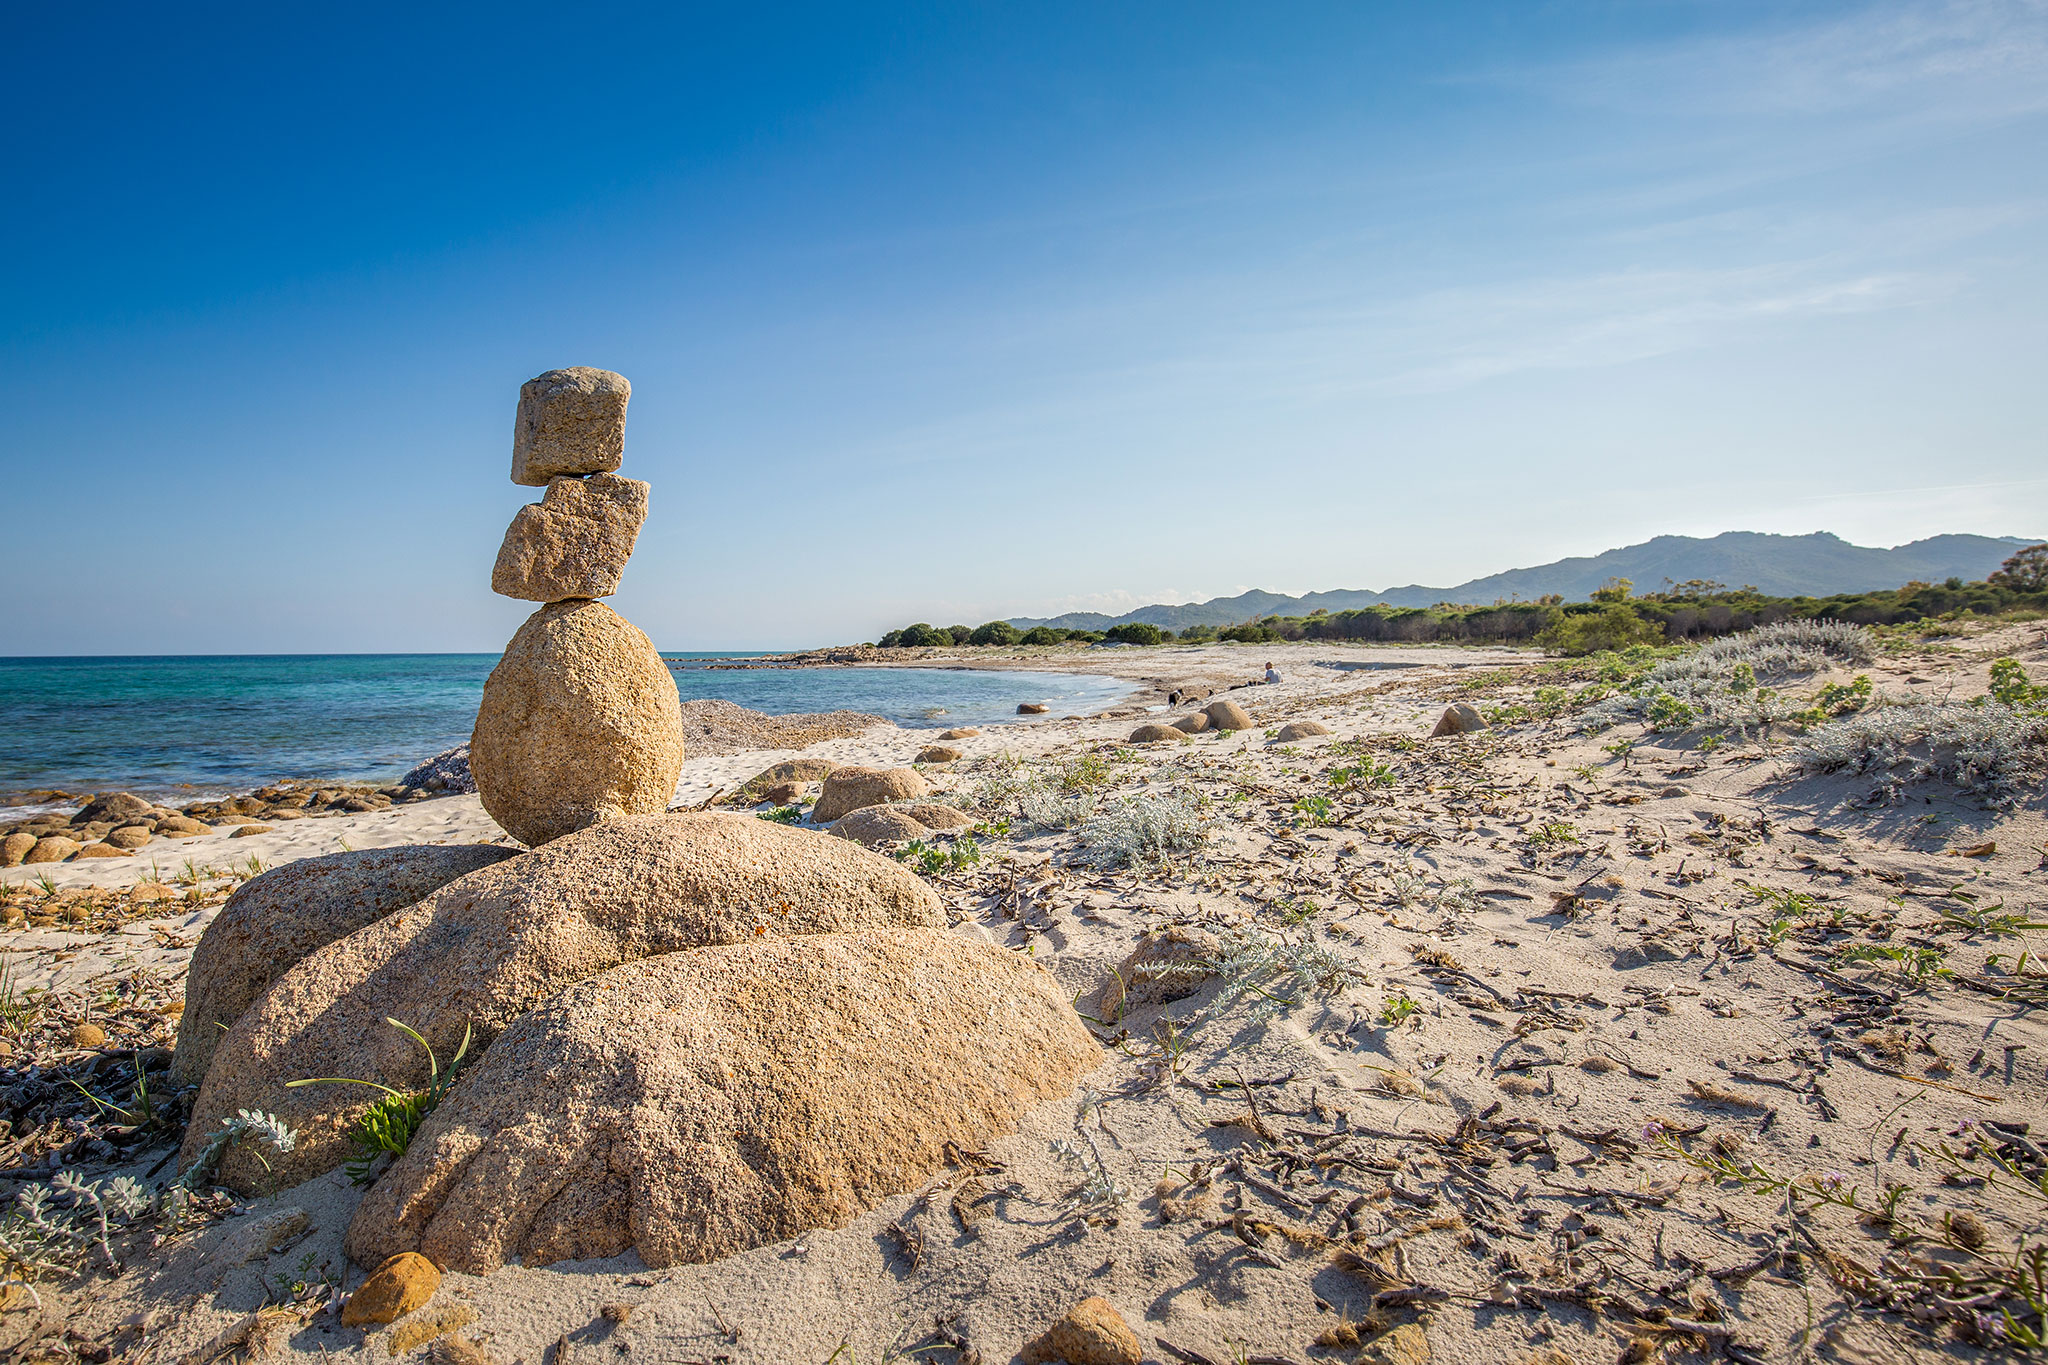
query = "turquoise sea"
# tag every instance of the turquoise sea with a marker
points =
(189, 727)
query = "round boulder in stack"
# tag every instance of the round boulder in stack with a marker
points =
(1193, 723)
(485, 948)
(275, 920)
(696, 1105)
(579, 723)
(570, 421)
(574, 542)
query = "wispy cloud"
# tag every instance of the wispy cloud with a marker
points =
(1961, 59)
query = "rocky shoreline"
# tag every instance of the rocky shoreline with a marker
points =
(120, 824)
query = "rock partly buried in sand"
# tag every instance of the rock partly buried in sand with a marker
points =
(938, 815)
(1227, 715)
(1459, 719)
(1157, 734)
(848, 789)
(570, 421)
(102, 851)
(794, 770)
(938, 753)
(1032, 708)
(699, 1104)
(1300, 729)
(14, 848)
(275, 920)
(1092, 1333)
(574, 542)
(578, 724)
(969, 733)
(1167, 965)
(1192, 723)
(871, 825)
(484, 948)
(130, 837)
(52, 848)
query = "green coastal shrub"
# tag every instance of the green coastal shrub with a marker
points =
(1042, 635)
(1615, 626)
(993, 633)
(1135, 633)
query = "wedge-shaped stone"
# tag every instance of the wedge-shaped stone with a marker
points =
(574, 542)
(481, 950)
(699, 1104)
(570, 421)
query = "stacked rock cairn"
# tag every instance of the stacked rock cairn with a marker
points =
(580, 720)
(683, 1033)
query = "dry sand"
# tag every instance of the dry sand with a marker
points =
(1582, 940)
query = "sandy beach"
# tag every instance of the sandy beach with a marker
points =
(1505, 1011)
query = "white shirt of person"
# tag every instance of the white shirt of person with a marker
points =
(1272, 675)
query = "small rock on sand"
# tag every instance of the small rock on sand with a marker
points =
(245, 831)
(1460, 718)
(938, 753)
(1032, 708)
(1092, 1333)
(401, 1284)
(1192, 723)
(1301, 729)
(871, 825)
(1404, 1345)
(103, 851)
(1156, 734)
(968, 733)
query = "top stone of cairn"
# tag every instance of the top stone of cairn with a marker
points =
(570, 421)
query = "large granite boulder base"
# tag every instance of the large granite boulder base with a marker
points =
(273, 921)
(696, 1105)
(571, 422)
(482, 950)
(580, 722)
(574, 542)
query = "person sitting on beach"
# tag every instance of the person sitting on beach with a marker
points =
(1271, 675)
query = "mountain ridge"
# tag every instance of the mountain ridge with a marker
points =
(1818, 564)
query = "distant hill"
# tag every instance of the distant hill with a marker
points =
(1816, 565)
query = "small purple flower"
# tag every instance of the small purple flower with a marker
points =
(1963, 1128)
(1833, 1181)
(1652, 1131)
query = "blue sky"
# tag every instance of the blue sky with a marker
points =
(955, 311)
